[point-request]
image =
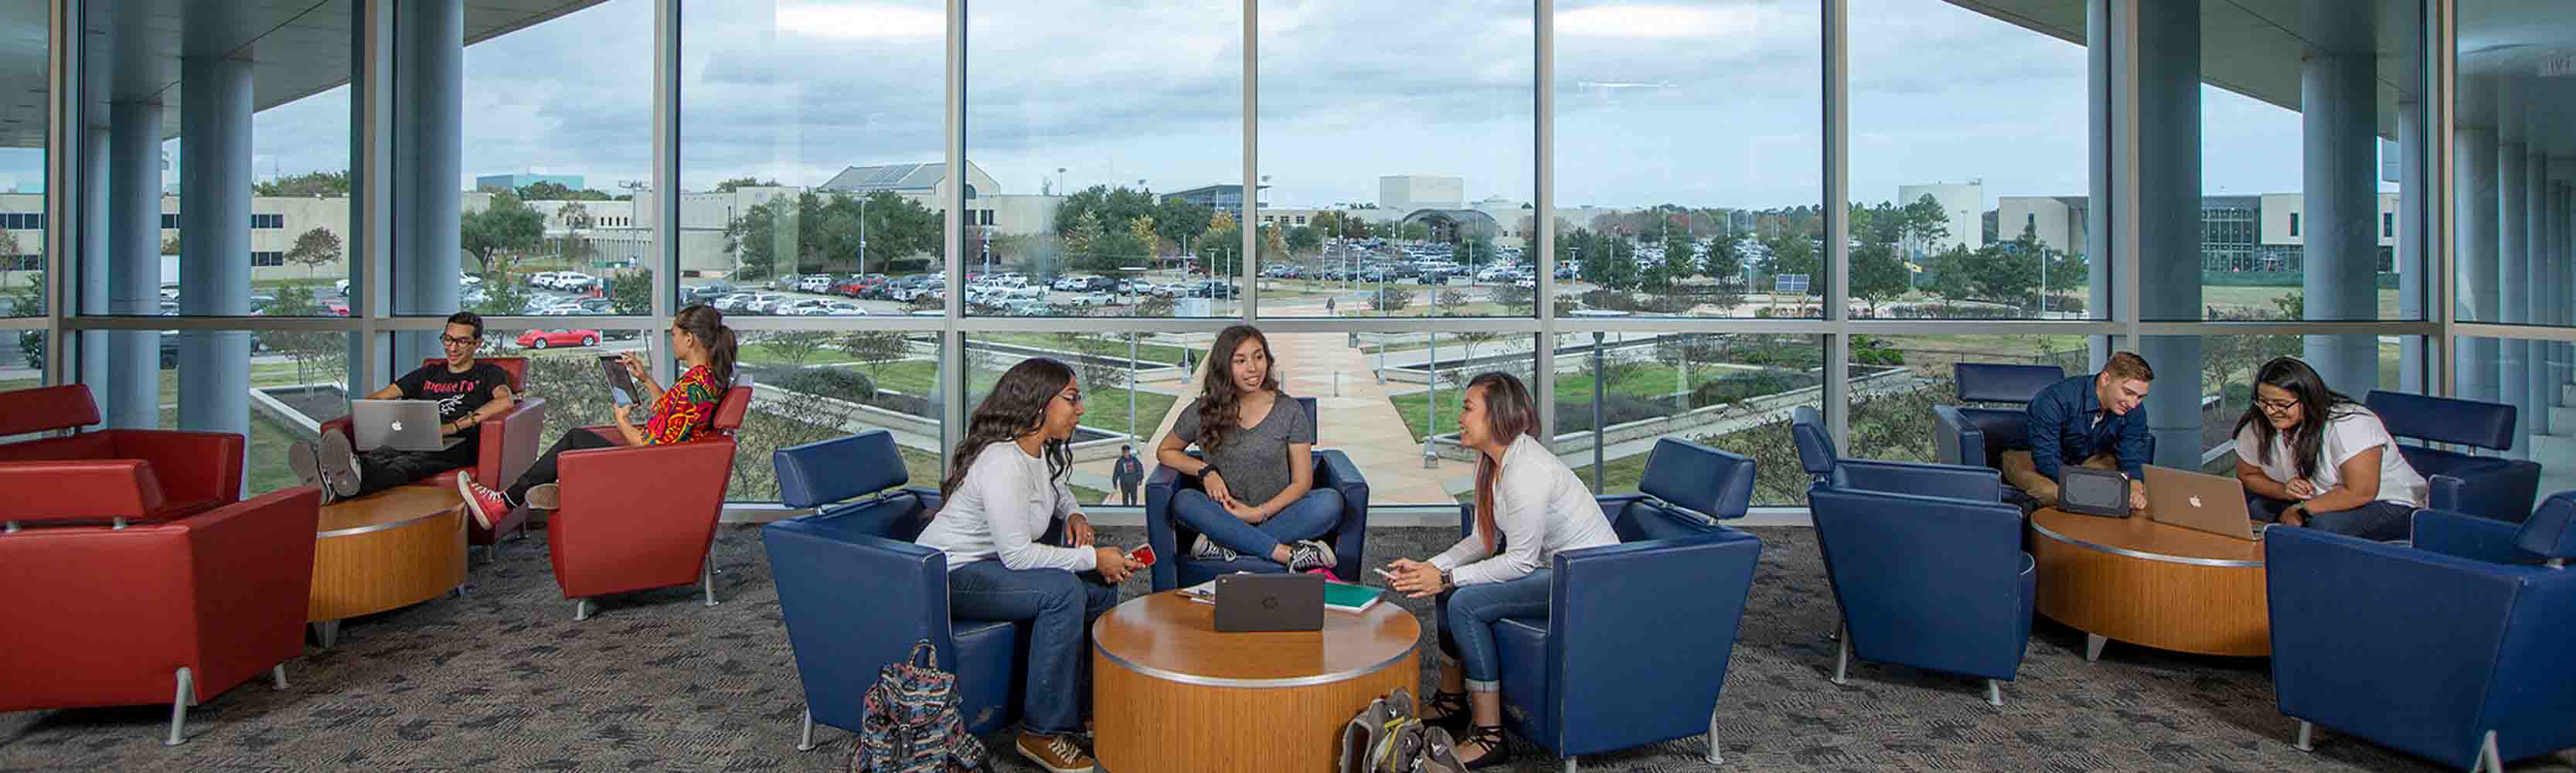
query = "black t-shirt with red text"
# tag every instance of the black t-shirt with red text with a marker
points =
(457, 393)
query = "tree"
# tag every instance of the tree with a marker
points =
(29, 301)
(1724, 260)
(1413, 232)
(307, 185)
(545, 190)
(630, 292)
(1452, 300)
(876, 348)
(314, 249)
(795, 346)
(311, 350)
(1222, 242)
(1182, 222)
(739, 183)
(1791, 253)
(1517, 299)
(1391, 299)
(1878, 275)
(507, 227)
(1304, 239)
(170, 244)
(1082, 241)
(821, 232)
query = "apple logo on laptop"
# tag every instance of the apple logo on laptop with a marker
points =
(398, 428)
(2195, 500)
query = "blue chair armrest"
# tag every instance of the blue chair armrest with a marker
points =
(1334, 470)
(1953, 481)
(1640, 634)
(2403, 646)
(1160, 485)
(2462, 535)
(840, 637)
(1955, 440)
(2503, 492)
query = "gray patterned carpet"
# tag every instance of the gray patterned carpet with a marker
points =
(503, 679)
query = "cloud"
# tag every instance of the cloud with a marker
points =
(860, 20)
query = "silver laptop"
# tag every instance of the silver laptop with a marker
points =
(2200, 502)
(402, 425)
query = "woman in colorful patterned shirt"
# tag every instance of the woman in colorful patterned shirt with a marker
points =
(700, 339)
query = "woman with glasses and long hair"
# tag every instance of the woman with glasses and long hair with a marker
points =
(2312, 457)
(699, 339)
(1019, 548)
(1256, 469)
(1529, 507)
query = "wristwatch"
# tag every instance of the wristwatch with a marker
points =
(1444, 580)
(1209, 470)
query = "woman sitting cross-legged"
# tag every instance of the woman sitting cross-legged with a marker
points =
(1529, 507)
(1004, 517)
(1257, 494)
(2312, 457)
(700, 339)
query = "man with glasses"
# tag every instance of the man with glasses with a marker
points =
(467, 390)
(2089, 421)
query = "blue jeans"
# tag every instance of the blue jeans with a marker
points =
(1467, 617)
(1062, 605)
(2378, 520)
(1307, 518)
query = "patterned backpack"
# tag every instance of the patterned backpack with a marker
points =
(912, 724)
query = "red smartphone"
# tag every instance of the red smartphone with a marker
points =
(1143, 554)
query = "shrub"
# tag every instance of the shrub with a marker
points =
(843, 383)
(1575, 415)
(1737, 387)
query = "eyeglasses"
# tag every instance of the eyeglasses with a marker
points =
(2276, 406)
(1072, 397)
(455, 341)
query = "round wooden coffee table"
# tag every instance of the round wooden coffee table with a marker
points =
(1170, 693)
(2142, 582)
(387, 550)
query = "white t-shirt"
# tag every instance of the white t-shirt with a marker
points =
(2353, 430)
(1005, 503)
(1541, 508)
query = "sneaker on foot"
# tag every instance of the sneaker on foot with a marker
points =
(307, 464)
(1310, 554)
(545, 497)
(1055, 753)
(337, 465)
(1205, 549)
(487, 505)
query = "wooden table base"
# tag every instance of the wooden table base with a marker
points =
(390, 550)
(2136, 581)
(1147, 724)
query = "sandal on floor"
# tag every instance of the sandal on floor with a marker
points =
(1488, 740)
(1446, 710)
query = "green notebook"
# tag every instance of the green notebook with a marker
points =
(1349, 598)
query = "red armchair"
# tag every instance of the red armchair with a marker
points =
(637, 517)
(116, 474)
(181, 610)
(509, 445)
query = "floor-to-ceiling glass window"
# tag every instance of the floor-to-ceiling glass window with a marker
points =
(2512, 167)
(22, 194)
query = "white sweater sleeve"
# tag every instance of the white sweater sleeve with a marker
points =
(1520, 510)
(1006, 495)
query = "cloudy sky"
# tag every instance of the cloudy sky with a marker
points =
(1698, 103)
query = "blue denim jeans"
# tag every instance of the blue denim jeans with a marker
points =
(1062, 605)
(2380, 520)
(1307, 518)
(1467, 617)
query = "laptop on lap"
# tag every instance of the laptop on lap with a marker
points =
(402, 425)
(2200, 502)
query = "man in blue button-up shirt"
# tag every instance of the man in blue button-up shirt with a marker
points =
(2090, 421)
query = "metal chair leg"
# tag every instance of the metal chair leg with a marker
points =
(277, 676)
(805, 739)
(2093, 647)
(1994, 693)
(1716, 753)
(327, 633)
(179, 707)
(2490, 760)
(580, 609)
(1842, 657)
(707, 579)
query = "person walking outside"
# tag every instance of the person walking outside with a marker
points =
(1127, 473)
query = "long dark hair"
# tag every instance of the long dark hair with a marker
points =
(1218, 396)
(1016, 406)
(1509, 414)
(2318, 406)
(706, 324)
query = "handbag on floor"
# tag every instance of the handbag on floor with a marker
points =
(912, 723)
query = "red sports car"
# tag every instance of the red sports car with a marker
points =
(539, 339)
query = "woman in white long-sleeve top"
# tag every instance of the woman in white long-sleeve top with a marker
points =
(1529, 507)
(1003, 523)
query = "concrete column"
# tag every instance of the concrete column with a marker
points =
(2473, 367)
(2535, 291)
(133, 277)
(214, 241)
(94, 262)
(2339, 113)
(429, 143)
(2411, 264)
(2513, 269)
(2168, 135)
(2100, 80)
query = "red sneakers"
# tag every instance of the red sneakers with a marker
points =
(488, 506)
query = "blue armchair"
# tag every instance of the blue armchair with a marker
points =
(856, 594)
(1925, 561)
(1979, 436)
(1588, 679)
(1171, 538)
(2485, 486)
(2453, 649)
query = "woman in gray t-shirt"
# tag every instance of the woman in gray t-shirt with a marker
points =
(1256, 494)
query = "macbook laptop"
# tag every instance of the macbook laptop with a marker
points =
(1269, 602)
(2200, 502)
(402, 425)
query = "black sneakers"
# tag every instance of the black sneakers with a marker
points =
(1310, 554)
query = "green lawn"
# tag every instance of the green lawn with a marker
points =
(1646, 381)
(2259, 298)
(1106, 408)
(1110, 346)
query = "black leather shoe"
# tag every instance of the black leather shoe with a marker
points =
(1488, 742)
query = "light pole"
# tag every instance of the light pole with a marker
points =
(863, 235)
(1131, 374)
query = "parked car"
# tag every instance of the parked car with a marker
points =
(731, 301)
(1088, 298)
(843, 309)
(795, 307)
(764, 303)
(1025, 307)
(712, 290)
(816, 283)
(785, 282)
(540, 339)
(462, 279)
